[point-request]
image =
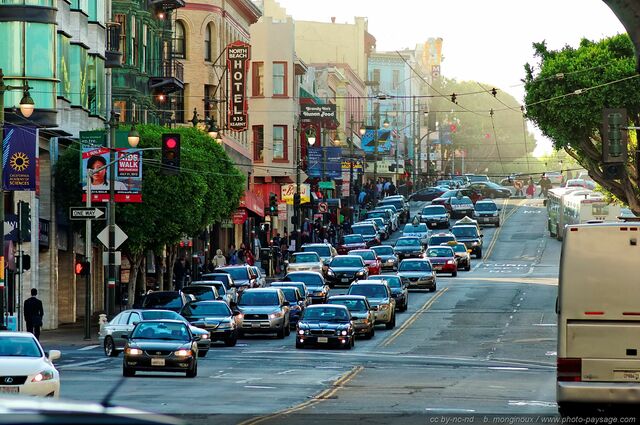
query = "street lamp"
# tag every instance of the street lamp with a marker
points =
(133, 137)
(212, 130)
(27, 106)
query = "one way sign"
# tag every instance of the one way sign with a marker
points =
(87, 213)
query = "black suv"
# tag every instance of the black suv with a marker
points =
(401, 206)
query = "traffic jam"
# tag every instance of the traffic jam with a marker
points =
(327, 297)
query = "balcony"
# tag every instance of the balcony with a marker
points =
(167, 77)
(165, 4)
(112, 53)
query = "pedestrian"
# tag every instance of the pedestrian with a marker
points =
(218, 260)
(180, 270)
(33, 313)
(248, 257)
(233, 255)
(517, 184)
(531, 188)
(257, 245)
(386, 187)
(242, 254)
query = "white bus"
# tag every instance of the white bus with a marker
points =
(583, 206)
(598, 309)
(555, 209)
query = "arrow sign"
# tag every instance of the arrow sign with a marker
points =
(87, 213)
(120, 237)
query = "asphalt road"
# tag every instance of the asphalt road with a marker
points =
(484, 343)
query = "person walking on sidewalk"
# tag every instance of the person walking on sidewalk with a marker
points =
(218, 260)
(33, 313)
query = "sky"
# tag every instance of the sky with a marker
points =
(487, 41)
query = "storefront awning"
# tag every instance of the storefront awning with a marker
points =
(252, 202)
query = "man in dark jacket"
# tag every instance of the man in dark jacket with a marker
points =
(33, 313)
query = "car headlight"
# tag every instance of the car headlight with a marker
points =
(360, 273)
(343, 332)
(391, 261)
(205, 336)
(240, 316)
(275, 315)
(45, 375)
(183, 353)
(451, 262)
(134, 351)
(330, 272)
(224, 325)
(300, 332)
(475, 244)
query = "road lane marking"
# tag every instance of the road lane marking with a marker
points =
(286, 371)
(323, 395)
(532, 403)
(246, 381)
(550, 281)
(413, 317)
(448, 410)
(89, 362)
(507, 368)
(260, 387)
(88, 347)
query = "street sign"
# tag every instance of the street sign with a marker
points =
(118, 257)
(87, 213)
(120, 236)
(323, 207)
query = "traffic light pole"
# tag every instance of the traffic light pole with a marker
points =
(87, 254)
(111, 281)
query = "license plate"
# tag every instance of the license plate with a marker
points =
(9, 390)
(344, 280)
(323, 339)
(437, 267)
(157, 362)
(627, 375)
(255, 325)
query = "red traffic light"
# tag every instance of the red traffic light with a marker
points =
(170, 143)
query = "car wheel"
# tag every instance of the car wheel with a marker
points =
(193, 372)
(287, 330)
(373, 331)
(468, 267)
(110, 347)
(231, 340)
(128, 372)
(498, 224)
(454, 274)
(392, 323)
(299, 344)
(281, 332)
(432, 289)
(405, 306)
(202, 353)
(479, 253)
(351, 344)
(240, 334)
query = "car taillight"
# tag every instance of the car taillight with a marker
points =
(569, 369)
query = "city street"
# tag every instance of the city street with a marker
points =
(483, 343)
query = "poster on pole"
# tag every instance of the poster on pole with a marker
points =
(19, 162)
(128, 169)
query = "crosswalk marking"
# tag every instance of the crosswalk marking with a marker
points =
(88, 347)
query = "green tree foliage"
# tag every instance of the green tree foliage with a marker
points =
(500, 143)
(566, 95)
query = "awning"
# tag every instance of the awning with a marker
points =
(252, 202)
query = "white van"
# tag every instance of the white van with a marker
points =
(598, 311)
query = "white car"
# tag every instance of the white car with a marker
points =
(25, 369)
(304, 262)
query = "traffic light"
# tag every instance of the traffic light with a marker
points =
(273, 204)
(613, 171)
(24, 217)
(614, 136)
(82, 268)
(24, 262)
(171, 153)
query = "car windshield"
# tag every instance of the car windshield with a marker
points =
(392, 281)
(486, 206)
(205, 309)
(202, 293)
(328, 314)
(366, 255)
(408, 242)
(369, 291)
(238, 273)
(162, 300)
(161, 330)
(354, 261)
(159, 315)
(218, 285)
(459, 248)
(290, 294)
(353, 239)
(395, 202)
(461, 201)
(301, 286)
(222, 277)
(322, 251)
(415, 266)
(434, 210)
(383, 250)
(363, 230)
(306, 257)
(420, 228)
(439, 252)
(437, 240)
(465, 231)
(18, 346)
(351, 304)
(252, 299)
(308, 279)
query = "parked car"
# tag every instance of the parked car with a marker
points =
(418, 273)
(216, 318)
(25, 367)
(401, 205)
(265, 310)
(370, 259)
(324, 325)
(316, 284)
(349, 242)
(587, 184)
(202, 292)
(379, 296)
(161, 346)
(427, 194)
(387, 256)
(344, 269)
(225, 278)
(362, 314)
(399, 289)
(229, 295)
(555, 177)
(260, 277)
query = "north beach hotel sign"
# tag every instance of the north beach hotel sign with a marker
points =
(238, 54)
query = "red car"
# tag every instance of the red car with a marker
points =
(370, 259)
(443, 259)
(475, 195)
(351, 242)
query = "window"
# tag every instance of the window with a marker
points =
(143, 60)
(257, 80)
(134, 42)
(207, 43)
(258, 143)
(209, 99)
(280, 142)
(376, 75)
(179, 41)
(279, 78)
(396, 78)
(121, 107)
(64, 87)
(177, 104)
(122, 20)
(133, 319)
(78, 72)
(96, 88)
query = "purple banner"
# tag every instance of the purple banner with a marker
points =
(19, 158)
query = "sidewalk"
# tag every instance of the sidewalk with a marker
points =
(69, 334)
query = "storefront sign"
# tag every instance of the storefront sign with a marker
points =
(238, 54)
(357, 165)
(318, 112)
(282, 211)
(288, 190)
(240, 216)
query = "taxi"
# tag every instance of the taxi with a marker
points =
(443, 259)
(463, 256)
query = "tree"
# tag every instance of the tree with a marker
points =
(207, 190)
(566, 95)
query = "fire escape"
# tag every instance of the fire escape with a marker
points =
(167, 74)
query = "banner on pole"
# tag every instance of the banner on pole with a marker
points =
(19, 159)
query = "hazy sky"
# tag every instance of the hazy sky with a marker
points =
(488, 41)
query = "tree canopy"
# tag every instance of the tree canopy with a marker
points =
(567, 93)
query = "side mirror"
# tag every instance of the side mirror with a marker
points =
(125, 337)
(54, 355)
